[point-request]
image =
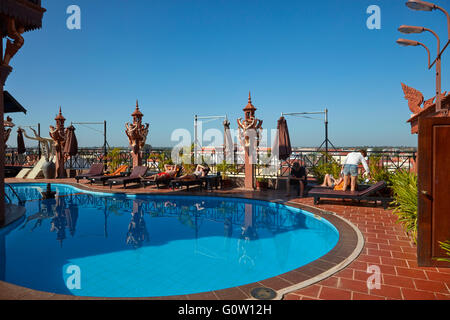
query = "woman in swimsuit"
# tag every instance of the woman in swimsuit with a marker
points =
(199, 172)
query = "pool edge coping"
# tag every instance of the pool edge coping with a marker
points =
(313, 271)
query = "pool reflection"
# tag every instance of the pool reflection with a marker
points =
(158, 245)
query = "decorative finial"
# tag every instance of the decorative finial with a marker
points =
(249, 97)
(137, 104)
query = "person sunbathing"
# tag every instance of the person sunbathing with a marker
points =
(329, 181)
(199, 172)
(170, 171)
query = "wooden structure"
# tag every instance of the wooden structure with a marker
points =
(433, 161)
(16, 17)
(137, 135)
(58, 134)
(249, 133)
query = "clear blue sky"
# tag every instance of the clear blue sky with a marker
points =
(187, 57)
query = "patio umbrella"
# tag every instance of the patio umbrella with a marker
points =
(228, 140)
(71, 146)
(20, 142)
(284, 142)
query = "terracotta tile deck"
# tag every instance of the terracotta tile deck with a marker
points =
(386, 246)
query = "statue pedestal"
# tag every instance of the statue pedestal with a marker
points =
(249, 173)
(137, 159)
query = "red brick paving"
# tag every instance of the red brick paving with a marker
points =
(386, 245)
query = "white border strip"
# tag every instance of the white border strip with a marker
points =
(359, 246)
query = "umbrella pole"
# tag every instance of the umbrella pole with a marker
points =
(105, 160)
(326, 135)
(39, 142)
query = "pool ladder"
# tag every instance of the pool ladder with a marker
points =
(21, 202)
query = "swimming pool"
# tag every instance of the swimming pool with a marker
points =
(114, 245)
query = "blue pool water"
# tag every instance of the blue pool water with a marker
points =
(96, 244)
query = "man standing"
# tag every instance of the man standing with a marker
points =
(350, 168)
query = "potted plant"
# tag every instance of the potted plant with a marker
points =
(224, 168)
(262, 183)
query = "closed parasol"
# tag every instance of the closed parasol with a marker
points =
(20, 142)
(228, 147)
(71, 145)
(284, 142)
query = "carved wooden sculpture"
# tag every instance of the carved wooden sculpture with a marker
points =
(58, 135)
(14, 30)
(414, 97)
(46, 143)
(249, 133)
(137, 135)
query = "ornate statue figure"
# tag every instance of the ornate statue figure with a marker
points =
(249, 123)
(137, 135)
(46, 143)
(14, 30)
(249, 133)
(58, 135)
(8, 125)
(414, 97)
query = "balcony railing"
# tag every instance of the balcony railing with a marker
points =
(390, 160)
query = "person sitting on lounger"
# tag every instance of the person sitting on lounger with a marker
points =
(298, 178)
(170, 171)
(200, 171)
(330, 181)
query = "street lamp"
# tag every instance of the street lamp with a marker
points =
(420, 5)
(412, 43)
(415, 29)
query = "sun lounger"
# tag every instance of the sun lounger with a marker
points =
(103, 178)
(178, 183)
(95, 170)
(161, 180)
(135, 177)
(370, 194)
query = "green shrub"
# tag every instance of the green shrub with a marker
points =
(404, 188)
(331, 167)
(162, 158)
(114, 159)
(446, 247)
(378, 172)
(224, 168)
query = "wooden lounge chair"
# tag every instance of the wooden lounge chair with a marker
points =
(161, 181)
(135, 177)
(103, 178)
(95, 170)
(178, 183)
(370, 194)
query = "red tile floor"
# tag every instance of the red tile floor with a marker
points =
(387, 246)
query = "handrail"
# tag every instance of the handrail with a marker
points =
(7, 197)
(14, 192)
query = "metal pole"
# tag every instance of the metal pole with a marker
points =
(438, 85)
(39, 142)
(326, 135)
(195, 137)
(105, 152)
(438, 70)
